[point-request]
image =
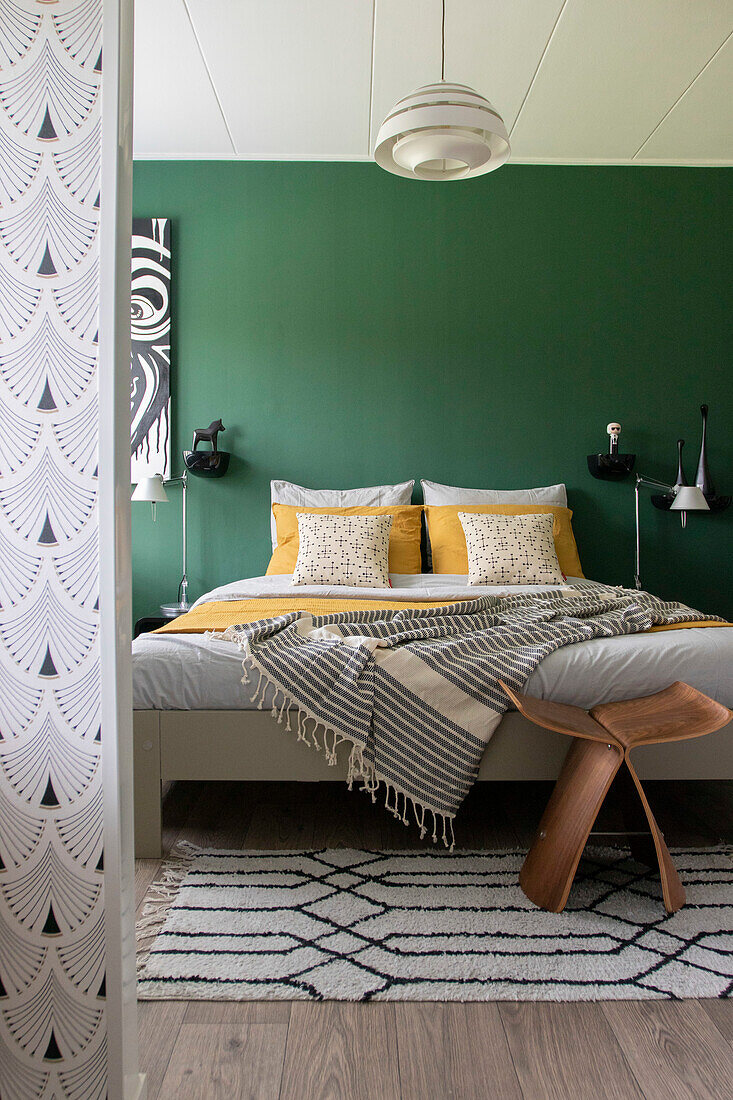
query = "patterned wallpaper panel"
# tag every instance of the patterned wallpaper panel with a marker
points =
(52, 987)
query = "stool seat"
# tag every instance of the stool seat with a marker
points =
(675, 714)
(603, 739)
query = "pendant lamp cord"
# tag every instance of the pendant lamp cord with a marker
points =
(442, 45)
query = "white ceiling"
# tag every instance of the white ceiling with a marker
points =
(576, 81)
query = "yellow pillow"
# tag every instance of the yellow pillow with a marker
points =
(404, 535)
(448, 543)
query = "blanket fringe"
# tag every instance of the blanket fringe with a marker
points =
(325, 739)
(160, 897)
(580, 604)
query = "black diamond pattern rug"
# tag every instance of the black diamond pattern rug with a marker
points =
(347, 924)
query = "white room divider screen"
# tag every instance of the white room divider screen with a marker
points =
(53, 1025)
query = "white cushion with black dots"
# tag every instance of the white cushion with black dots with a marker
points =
(511, 549)
(346, 550)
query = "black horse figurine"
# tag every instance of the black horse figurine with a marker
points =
(213, 463)
(208, 435)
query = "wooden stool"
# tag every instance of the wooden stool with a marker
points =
(602, 742)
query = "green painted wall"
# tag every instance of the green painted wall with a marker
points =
(353, 328)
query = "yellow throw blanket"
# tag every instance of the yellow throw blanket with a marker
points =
(221, 614)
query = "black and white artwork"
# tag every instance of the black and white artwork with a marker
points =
(150, 312)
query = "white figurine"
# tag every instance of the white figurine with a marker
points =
(614, 431)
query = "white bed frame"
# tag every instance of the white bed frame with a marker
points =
(249, 744)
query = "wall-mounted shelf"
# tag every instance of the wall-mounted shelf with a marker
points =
(663, 501)
(611, 467)
(206, 463)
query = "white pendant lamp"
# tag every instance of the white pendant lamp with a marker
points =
(442, 132)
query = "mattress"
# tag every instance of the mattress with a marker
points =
(193, 672)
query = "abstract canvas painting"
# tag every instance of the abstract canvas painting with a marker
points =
(150, 391)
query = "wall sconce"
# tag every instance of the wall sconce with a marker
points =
(680, 497)
(684, 499)
(212, 463)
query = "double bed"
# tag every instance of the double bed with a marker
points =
(195, 719)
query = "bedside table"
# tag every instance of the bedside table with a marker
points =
(151, 622)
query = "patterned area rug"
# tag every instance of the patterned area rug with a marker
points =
(346, 924)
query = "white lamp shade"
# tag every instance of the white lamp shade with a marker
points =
(151, 489)
(442, 132)
(689, 498)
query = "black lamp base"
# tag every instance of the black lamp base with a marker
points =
(173, 610)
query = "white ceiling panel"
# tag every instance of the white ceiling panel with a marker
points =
(700, 126)
(491, 45)
(576, 81)
(612, 70)
(176, 111)
(293, 76)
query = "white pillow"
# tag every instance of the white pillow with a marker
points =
(435, 493)
(375, 496)
(511, 549)
(348, 550)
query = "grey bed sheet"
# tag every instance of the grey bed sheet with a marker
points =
(192, 672)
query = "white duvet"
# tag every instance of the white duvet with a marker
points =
(191, 672)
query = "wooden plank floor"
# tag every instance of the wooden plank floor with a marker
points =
(427, 1051)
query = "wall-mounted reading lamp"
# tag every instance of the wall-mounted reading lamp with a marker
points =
(152, 489)
(687, 498)
(208, 464)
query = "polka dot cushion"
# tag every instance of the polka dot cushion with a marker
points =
(510, 549)
(346, 550)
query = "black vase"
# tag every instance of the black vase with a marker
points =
(681, 479)
(703, 479)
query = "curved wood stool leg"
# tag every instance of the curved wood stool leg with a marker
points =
(635, 820)
(673, 891)
(549, 869)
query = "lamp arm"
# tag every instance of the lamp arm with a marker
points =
(652, 483)
(637, 570)
(184, 578)
(649, 483)
(183, 586)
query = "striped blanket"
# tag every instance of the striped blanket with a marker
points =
(415, 692)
